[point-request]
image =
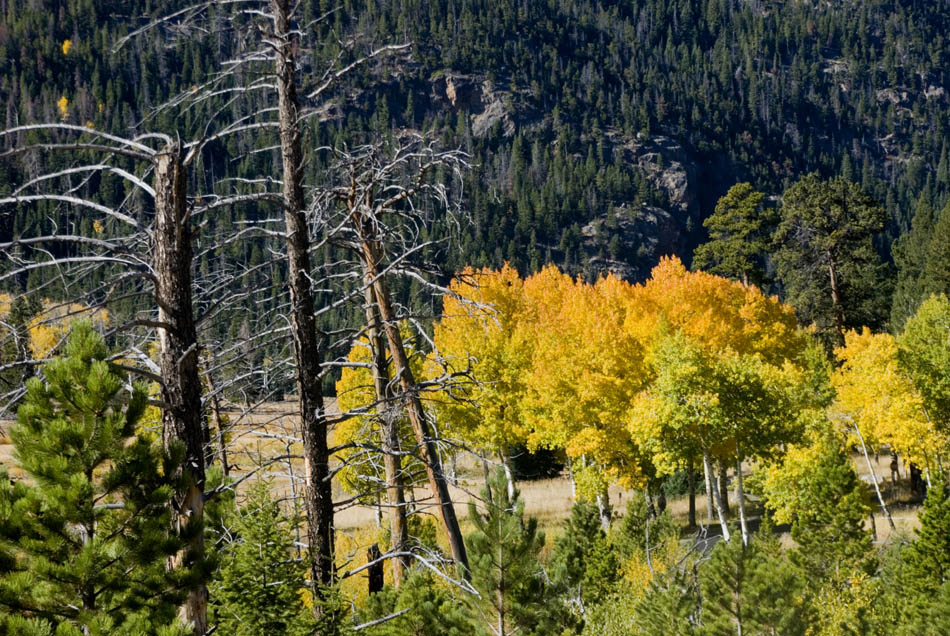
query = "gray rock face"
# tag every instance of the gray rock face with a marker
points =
(486, 103)
(641, 235)
(669, 168)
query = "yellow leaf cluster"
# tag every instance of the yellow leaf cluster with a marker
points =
(67, 45)
(63, 105)
(51, 325)
(882, 402)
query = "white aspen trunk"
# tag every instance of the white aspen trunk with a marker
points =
(880, 498)
(709, 495)
(509, 475)
(570, 472)
(740, 497)
(603, 507)
(707, 461)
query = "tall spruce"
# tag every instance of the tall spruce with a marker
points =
(85, 534)
(825, 255)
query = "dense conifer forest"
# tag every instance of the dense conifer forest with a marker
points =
(307, 308)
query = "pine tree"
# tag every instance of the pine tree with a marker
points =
(260, 581)
(670, 605)
(910, 257)
(723, 580)
(738, 236)
(86, 535)
(928, 559)
(583, 564)
(936, 274)
(429, 609)
(825, 256)
(751, 589)
(829, 523)
(504, 563)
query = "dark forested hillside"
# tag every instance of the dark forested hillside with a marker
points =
(600, 133)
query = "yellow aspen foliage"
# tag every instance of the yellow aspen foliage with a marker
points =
(98, 227)
(782, 484)
(363, 470)
(724, 365)
(63, 105)
(585, 373)
(67, 45)
(5, 302)
(717, 313)
(483, 342)
(873, 393)
(844, 606)
(50, 326)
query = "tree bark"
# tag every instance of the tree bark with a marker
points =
(417, 417)
(707, 462)
(709, 495)
(836, 298)
(723, 487)
(691, 484)
(183, 415)
(318, 493)
(390, 438)
(220, 444)
(740, 499)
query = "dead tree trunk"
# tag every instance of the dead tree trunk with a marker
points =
(318, 493)
(182, 417)
(420, 426)
(390, 438)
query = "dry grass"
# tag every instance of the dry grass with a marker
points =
(263, 444)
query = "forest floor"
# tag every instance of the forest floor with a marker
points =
(262, 444)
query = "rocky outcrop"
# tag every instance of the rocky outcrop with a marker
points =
(486, 102)
(637, 237)
(669, 167)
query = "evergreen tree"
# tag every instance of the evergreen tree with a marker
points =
(751, 589)
(910, 257)
(936, 274)
(260, 581)
(928, 559)
(670, 605)
(503, 553)
(829, 522)
(723, 580)
(825, 257)
(739, 236)
(582, 563)
(429, 609)
(85, 537)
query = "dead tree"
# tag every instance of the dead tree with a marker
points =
(307, 354)
(161, 255)
(399, 528)
(382, 189)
